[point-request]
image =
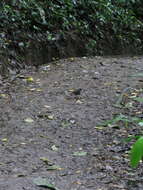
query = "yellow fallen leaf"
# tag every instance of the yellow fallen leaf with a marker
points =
(4, 140)
(77, 182)
(78, 172)
(71, 58)
(99, 127)
(71, 90)
(38, 89)
(30, 79)
(3, 95)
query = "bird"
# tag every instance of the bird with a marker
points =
(73, 93)
(76, 92)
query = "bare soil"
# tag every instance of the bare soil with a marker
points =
(50, 126)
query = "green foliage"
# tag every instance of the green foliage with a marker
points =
(137, 149)
(137, 152)
(122, 118)
(97, 21)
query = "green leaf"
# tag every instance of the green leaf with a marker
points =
(130, 138)
(116, 119)
(138, 99)
(44, 183)
(136, 152)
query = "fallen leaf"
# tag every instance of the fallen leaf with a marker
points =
(71, 90)
(21, 76)
(46, 160)
(29, 120)
(79, 102)
(39, 90)
(21, 175)
(54, 167)
(77, 183)
(32, 89)
(80, 153)
(65, 123)
(4, 95)
(4, 140)
(46, 106)
(99, 127)
(108, 84)
(29, 79)
(54, 148)
(78, 172)
(51, 117)
(42, 182)
(72, 121)
(71, 58)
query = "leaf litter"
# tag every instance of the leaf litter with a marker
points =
(74, 123)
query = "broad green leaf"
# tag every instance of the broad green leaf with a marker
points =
(138, 99)
(128, 139)
(120, 117)
(42, 182)
(136, 152)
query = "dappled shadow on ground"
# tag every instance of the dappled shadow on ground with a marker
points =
(49, 126)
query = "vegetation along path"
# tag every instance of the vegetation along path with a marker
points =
(50, 132)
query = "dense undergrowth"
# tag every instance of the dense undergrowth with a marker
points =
(102, 24)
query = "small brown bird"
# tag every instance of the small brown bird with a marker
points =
(77, 92)
(73, 93)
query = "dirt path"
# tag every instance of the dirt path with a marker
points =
(49, 131)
